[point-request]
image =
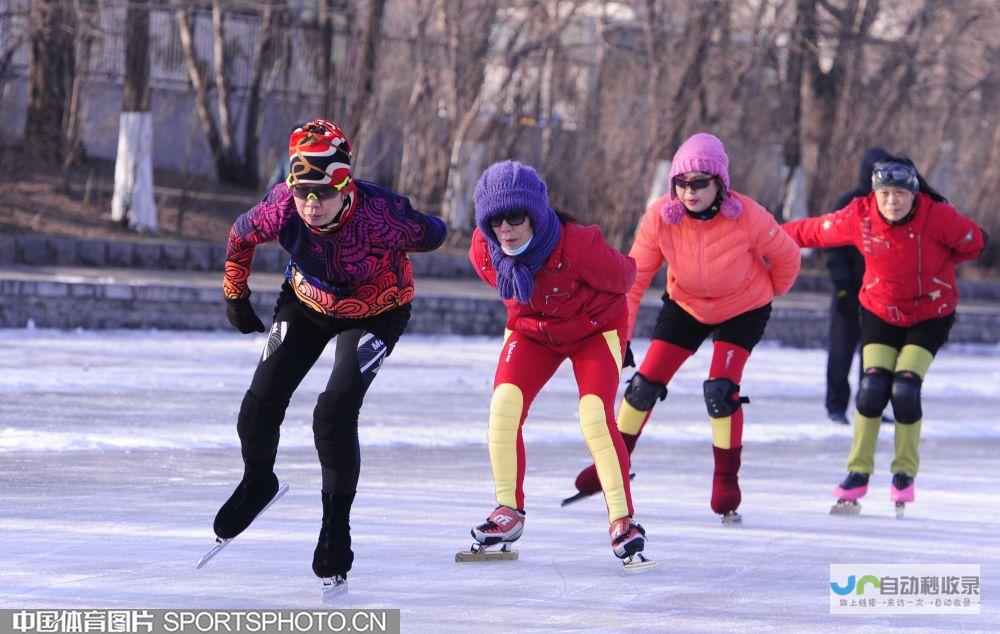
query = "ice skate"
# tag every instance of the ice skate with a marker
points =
(252, 495)
(732, 518)
(494, 537)
(233, 513)
(334, 587)
(333, 557)
(848, 492)
(902, 491)
(586, 492)
(628, 540)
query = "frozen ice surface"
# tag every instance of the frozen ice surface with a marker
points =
(117, 448)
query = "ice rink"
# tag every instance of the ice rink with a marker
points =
(117, 448)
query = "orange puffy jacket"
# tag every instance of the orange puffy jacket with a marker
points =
(716, 269)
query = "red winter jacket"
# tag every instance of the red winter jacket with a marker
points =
(580, 291)
(910, 267)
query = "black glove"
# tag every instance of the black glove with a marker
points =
(629, 360)
(240, 314)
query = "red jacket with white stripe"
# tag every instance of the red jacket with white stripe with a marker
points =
(579, 292)
(910, 267)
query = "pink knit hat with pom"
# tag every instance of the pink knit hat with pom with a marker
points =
(702, 152)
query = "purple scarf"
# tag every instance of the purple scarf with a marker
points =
(515, 273)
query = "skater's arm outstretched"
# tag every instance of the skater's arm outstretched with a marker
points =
(835, 229)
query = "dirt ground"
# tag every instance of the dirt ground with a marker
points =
(41, 198)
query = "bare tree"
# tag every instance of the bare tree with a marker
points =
(132, 202)
(230, 165)
(52, 28)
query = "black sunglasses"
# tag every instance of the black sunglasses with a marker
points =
(693, 184)
(320, 192)
(513, 218)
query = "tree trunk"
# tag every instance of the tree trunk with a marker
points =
(361, 93)
(53, 27)
(133, 202)
(254, 116)
(227, 168)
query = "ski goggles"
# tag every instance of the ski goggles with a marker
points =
(694, 184)
(892, 174)
(514, 218)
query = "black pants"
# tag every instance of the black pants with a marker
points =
(929, 335)
(677, 326)
(845, 333)
(297, 338)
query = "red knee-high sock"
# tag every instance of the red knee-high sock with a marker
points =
(725, 483)
(728, 361)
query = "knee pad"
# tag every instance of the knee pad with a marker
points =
(906, 397)
(722, 397)
(258, 425)
(874, 392)
(642, 393)
(335, 429)
(336, 408)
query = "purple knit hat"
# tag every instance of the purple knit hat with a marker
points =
(702, 152)
(506, 186)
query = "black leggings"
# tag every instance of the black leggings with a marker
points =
(297, 338)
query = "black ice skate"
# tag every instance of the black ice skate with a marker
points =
(333, 557)
(248, 501)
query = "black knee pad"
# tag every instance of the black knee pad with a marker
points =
(906, 397)
(722, 397)
(642, 393)
(874, 392)
(258, 425)
(335, 428)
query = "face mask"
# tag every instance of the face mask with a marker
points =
(519, 250)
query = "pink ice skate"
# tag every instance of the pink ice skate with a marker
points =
(902, 491)
(848, 492)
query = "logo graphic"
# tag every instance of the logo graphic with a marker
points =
(510, 351)
(904, 589)
(859, 587)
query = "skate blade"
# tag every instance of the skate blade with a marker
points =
(732, 518)
(900, 510)
(637, 563)
(845, 507)
(576, 497)
(221, 543)
(333, 587)
(478, 552)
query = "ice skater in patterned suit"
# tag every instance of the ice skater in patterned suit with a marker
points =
(564, 289)
(348, 278)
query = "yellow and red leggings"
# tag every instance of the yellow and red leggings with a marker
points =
(525, 366)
